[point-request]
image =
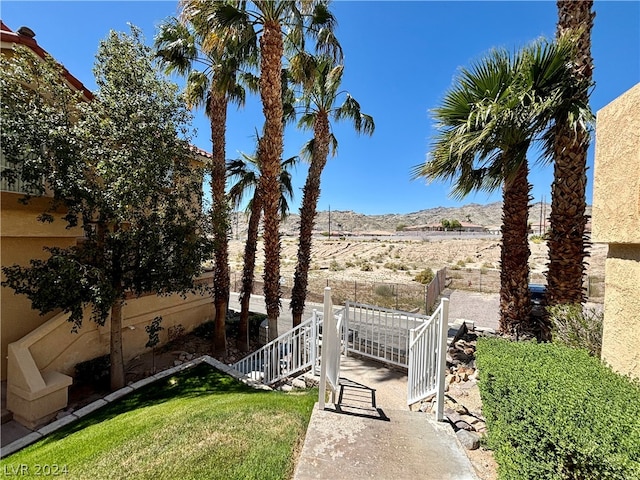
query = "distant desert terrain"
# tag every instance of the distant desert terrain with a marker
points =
(398, 258)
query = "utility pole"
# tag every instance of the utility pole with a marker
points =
(540, 222)
(544, 215)
(329, 222)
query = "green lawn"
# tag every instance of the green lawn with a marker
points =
(197, 424)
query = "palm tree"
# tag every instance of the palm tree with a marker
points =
(319, 102)
(181, 47)
(275, 24)
(246, 173)
(567, 241)
(487, 121)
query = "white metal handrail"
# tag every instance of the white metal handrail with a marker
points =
(427, 357)
(290, 353)
(379, 333)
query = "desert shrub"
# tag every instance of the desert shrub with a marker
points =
(488, 265)
(576, 327)
(366, 267)
(425, 276)
(334, 266)
(556, 412)
(175, 332)
(94, 372)
(384, 290)
(396, 266)
(461, 263)
(537, 238)
(349, 264)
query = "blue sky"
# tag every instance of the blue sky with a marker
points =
(400, 58)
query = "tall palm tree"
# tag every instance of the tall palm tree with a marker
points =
(319, 103)
(567, 240)
(276, 24)
(246, 173)
(182, 48)
(487, 121)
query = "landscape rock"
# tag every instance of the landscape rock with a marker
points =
(469, 440)
(298, 383)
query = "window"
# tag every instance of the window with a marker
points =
(17, 186)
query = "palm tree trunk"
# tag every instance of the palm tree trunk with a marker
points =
(271, 49)
(311, 193)
(567, 242)
(220, 219)
(247, 272)
(515, 304)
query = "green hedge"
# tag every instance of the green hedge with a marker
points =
(554, 412)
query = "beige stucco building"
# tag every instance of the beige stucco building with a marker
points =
(39, 352)
(616, 221)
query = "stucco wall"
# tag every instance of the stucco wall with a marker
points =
(55, 348)
(616, 221)
(23, 239)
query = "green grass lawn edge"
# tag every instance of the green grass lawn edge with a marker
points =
(198, 423)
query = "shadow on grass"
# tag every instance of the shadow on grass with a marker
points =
(201, 380)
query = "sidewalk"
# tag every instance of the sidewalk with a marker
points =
(360, 438)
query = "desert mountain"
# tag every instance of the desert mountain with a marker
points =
(488, 215)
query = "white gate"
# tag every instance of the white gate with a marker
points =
(331, 349)
(427, 359)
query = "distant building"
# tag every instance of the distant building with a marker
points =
(437, 227)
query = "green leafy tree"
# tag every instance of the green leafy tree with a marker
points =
(446, 224)
(121, 166)
(278, 26)
(487, 122)
(319, 100)
(455, 224)
(213, 81)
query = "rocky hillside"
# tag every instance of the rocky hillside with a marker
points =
(487, 215)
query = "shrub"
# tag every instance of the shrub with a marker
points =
(537, 239)
(366, 267)
(555, 412)
(425, 276)
(94, 372)
(384, 290)
(334, 266)
(576, 327)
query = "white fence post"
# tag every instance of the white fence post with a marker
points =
(314, 341)
(442, 358)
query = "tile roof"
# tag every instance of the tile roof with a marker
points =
(24, 36)
(20, 38)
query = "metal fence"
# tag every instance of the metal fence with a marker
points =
(409, 297)
(488, 281)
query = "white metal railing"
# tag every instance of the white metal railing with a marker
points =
(290, 353)
(331, 351)
(427, 357)
(379, 333)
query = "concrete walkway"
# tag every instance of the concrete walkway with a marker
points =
(370, 433)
